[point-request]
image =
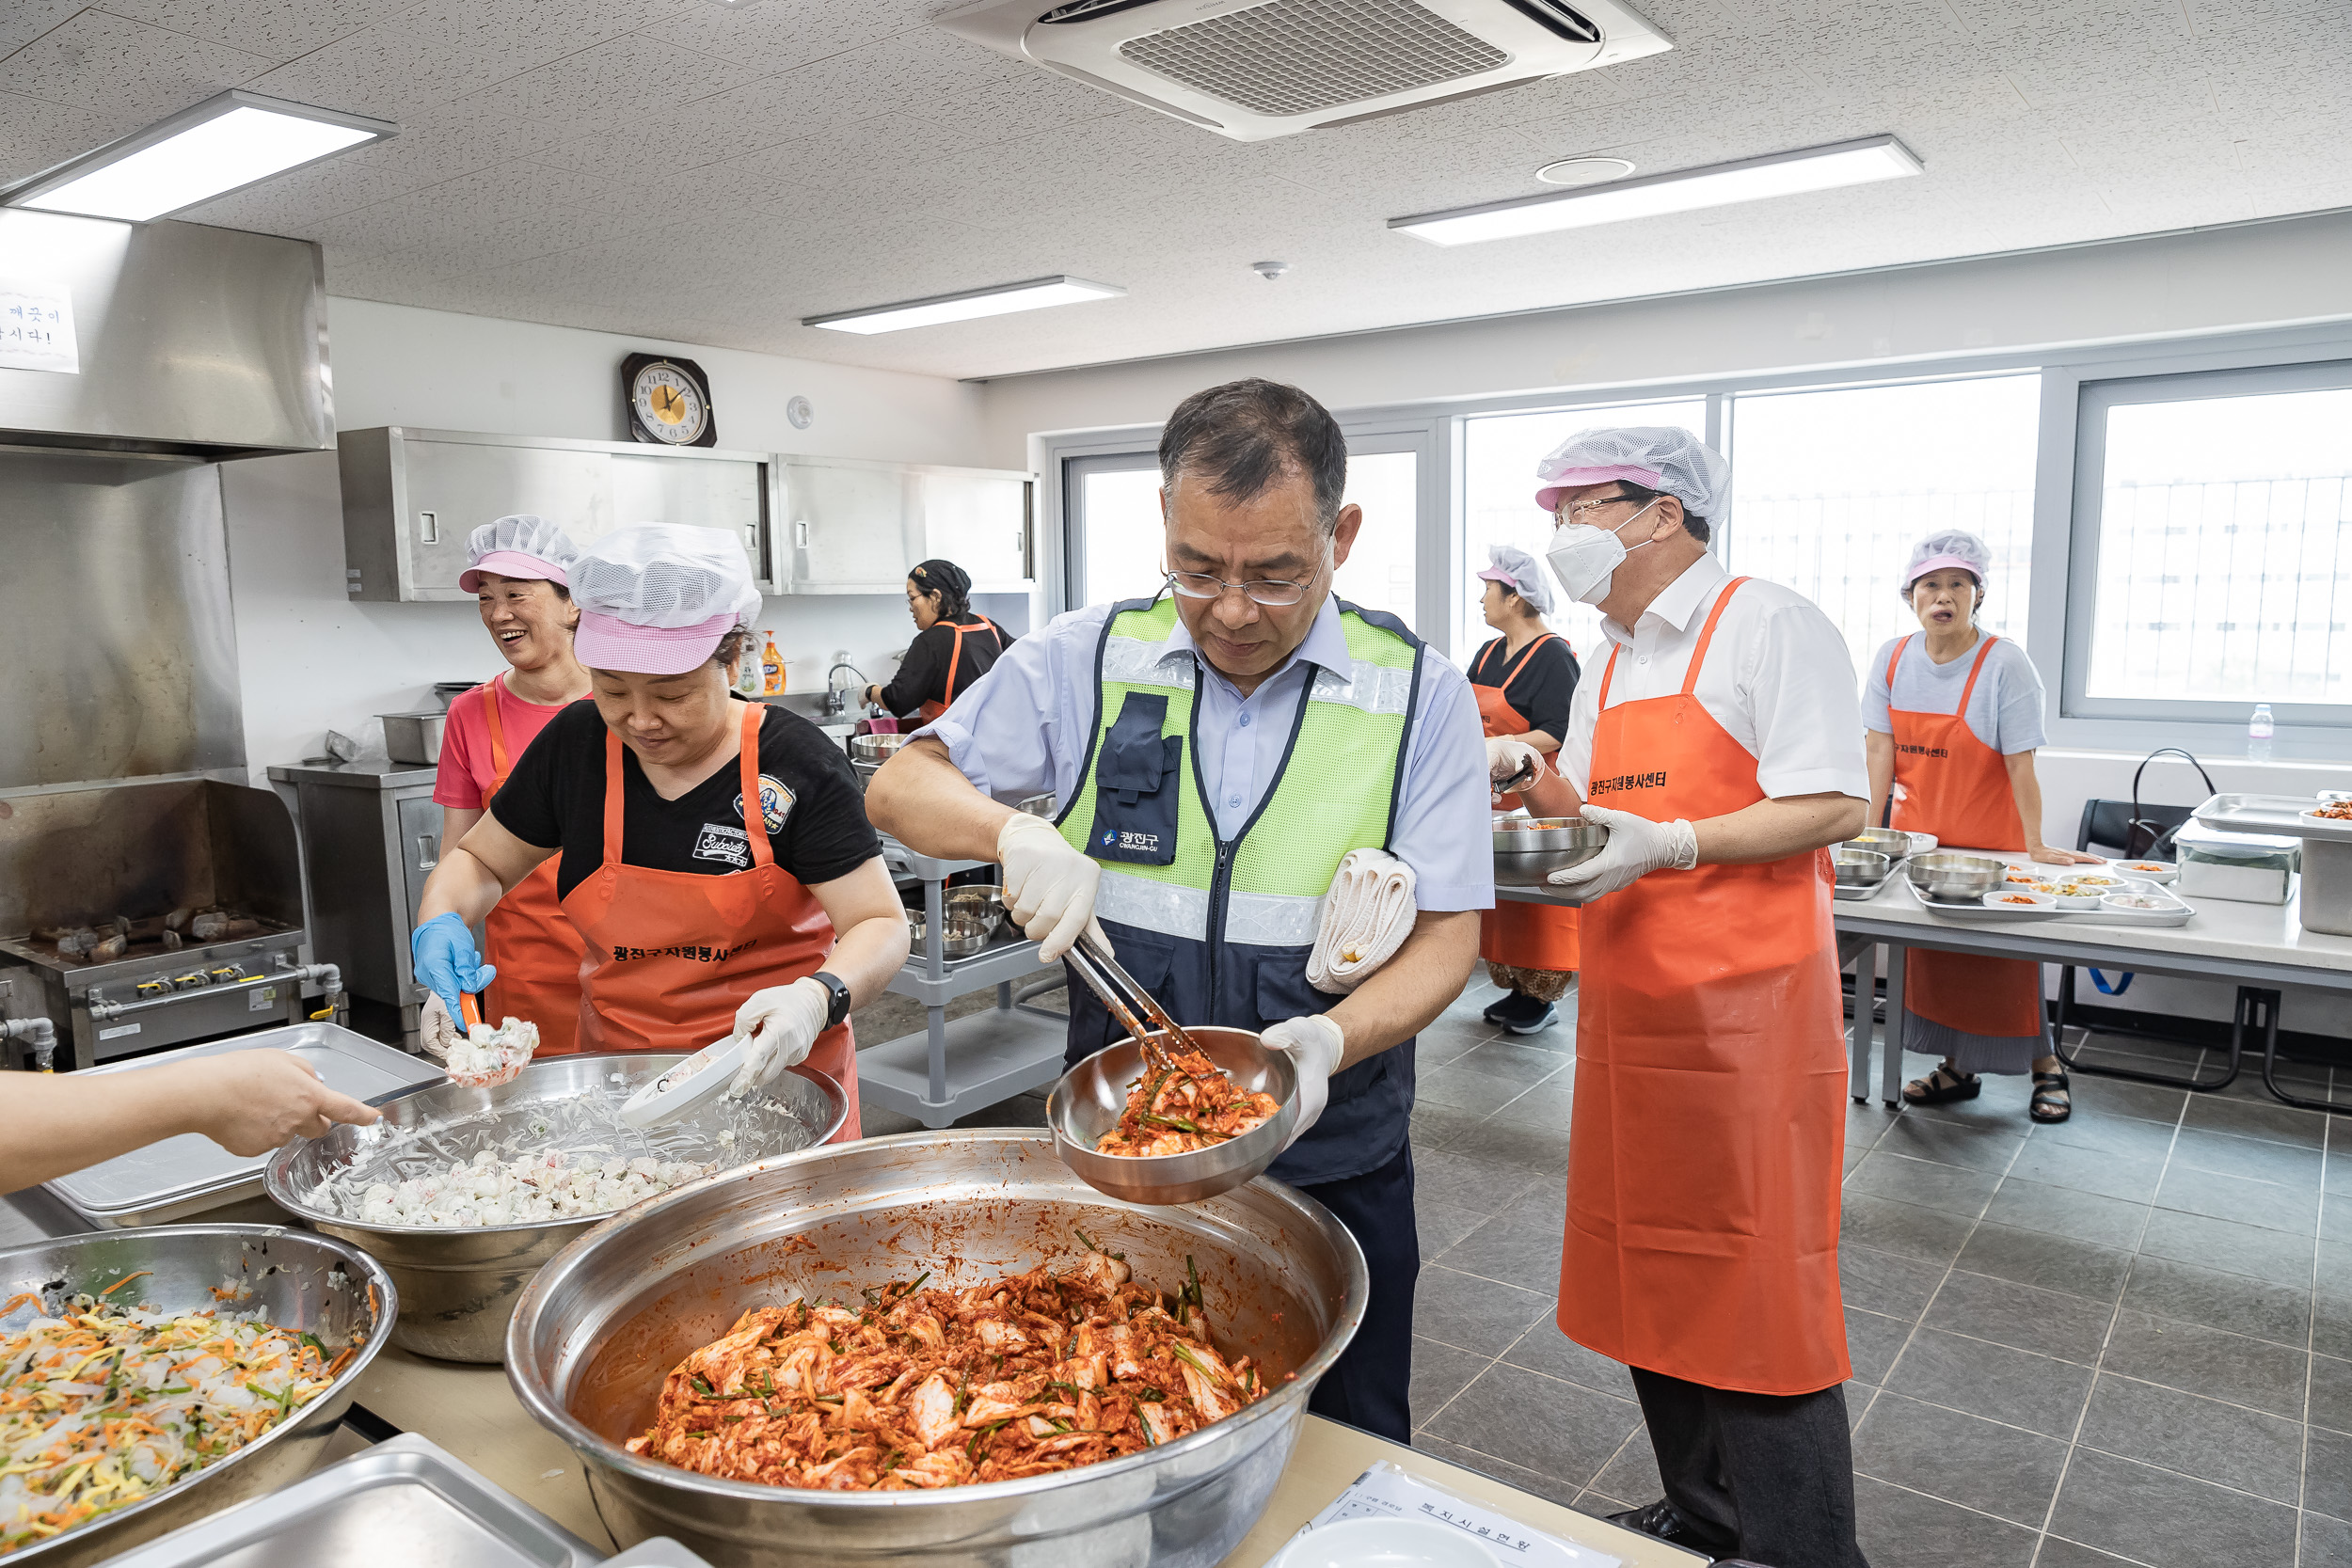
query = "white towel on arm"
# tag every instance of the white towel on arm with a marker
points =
(1366, 917)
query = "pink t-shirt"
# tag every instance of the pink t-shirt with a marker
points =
(466, 773)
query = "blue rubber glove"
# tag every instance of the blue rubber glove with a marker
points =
(442, 953)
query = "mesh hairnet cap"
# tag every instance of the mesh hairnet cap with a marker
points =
(1521, 573)
(656, 597)
(1655, 456)
(1954, 547)
(518, 546)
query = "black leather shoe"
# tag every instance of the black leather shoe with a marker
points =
(1675, 1527)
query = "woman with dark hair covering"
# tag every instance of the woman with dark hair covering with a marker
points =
(953, 647)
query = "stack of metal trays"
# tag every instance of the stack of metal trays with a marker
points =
(191, 1175)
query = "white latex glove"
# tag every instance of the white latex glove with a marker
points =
(1049, 887)
(1313, 1044)
(1507, 758)
(1636, 847)
(777, 1026)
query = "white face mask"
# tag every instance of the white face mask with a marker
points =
(1584, 558)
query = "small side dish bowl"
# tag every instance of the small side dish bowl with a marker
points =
(2018, 898)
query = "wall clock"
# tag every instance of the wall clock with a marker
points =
(669, 401)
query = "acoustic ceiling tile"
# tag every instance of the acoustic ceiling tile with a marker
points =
(36, 135)
(277, 29)
(113, 66)
(22, 21)
(631, 84)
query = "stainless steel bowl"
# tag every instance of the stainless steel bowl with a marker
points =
(983, 904)
(293, 1278)
(460, 1283)
(1893, 843)
(1860, 868)
(875, 748)
(1528, 850)
(1091, 1097)
(1956, 879)
(603, 1323)
(963, 935)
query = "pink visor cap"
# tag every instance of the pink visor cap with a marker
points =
(609, 642)
(1548, 497)
(1937, 564)
(510, 564)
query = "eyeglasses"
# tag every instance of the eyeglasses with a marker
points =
(1271, 592)
(1581, 512)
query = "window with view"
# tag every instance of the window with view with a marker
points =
(2224, 573)
(1832, 489)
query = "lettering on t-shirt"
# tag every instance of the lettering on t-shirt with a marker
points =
(716, 841)
(697, 953)
(1627, 781)
(1912, 749)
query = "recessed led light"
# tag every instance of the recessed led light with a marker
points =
(1002, 299)
(1818, 169)
(223, 144)
(1584, 171)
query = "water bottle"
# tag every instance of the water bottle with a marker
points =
(2258, 733)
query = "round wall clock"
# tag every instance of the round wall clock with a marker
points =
(668, 400)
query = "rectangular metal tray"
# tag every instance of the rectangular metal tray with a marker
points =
(2278, 814)
(405, 1500)
(191, 1174)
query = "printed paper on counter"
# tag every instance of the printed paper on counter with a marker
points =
(1386, 1492)
(36, 327)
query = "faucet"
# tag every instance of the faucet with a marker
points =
(836, 702)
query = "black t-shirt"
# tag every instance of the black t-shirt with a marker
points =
(817, 826)
(1542, 690)
(922, 675)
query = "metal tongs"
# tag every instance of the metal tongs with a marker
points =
(1126, 1000)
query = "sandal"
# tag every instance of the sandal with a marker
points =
(1943, 1086)
(2051, 1100)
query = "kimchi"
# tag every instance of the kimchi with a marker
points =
(1185, 1105)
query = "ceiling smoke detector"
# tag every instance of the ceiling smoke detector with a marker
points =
(1584, 171)
(1269, 270)
(1254, 70)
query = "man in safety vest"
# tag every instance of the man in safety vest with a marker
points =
(1216, 749)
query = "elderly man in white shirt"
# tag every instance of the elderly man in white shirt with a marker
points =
(1721, 743)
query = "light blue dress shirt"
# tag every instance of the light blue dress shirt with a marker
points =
(1025, 727)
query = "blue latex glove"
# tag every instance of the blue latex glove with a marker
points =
(442, 953)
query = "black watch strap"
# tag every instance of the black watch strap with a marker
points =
(840, 1007)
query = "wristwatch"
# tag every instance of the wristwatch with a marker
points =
(840, 1007)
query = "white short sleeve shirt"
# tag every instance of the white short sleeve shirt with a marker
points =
(1777, 678)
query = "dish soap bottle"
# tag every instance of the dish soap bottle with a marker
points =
(770, 667)
(749, 679)
(2259, 731)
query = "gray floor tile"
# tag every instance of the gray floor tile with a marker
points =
(2287, 1163)
(1953, 1143)
(1977, 1463)
(1441, 1225)
(1540, 1423)
(2046, 1322)
(1547, 1105)
(2202, 1437)
(1859, 1397)
(1449, 1039)
(1872, 1342)
(2327, 1481)
(2332, 1325)
(1541, 1151)
(2115, 1134)
(1542, 1203)
(1544, 1349)
(2051, 1262)
(2064, 1211)
(2238, 1303)
(1517, 1252)
(2327, 1542)
(2015, 1387)
(2067, 1554)
(1481, 1094)
(1849, 1158)
(2278, 1255)
(2230, 1366)
(1951, 1188)
(1439, 1373)
(2332, 1393)
(1634, 1473)
(1487, 1465)
(2119, 1097)
(1518, 1059)
(2130, 1177)
(2233, 1197)
(2335, 1267)
(2266, 1118)
(1930, 1235)
(2171, 1521)
(1476, 1315)
(1867, 1122)
(1600, 1504)
(1883, 1283)
(1905, 1528)
(1472, 1185)
(1435, 1126)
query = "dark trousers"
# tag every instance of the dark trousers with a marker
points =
(1366, 1386)
(1773, 1472)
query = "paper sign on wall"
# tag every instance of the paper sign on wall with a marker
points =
(36, 327)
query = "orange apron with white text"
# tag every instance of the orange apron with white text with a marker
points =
(1704, 1145)
(930, 711)
(673, 954)
(534, 948)
(1957, 787)
(1522, 936)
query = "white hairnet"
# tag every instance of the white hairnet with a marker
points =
(1657, 457)
(1521, 573)
(521, 534)
(666, 575)
(1952, 547)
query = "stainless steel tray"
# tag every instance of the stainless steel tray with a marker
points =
(193, 1175)
(405, 1500)
(2279, 814)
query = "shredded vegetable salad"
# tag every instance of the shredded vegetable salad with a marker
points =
(103, 1405)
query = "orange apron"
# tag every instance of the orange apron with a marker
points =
(1957, 787)
(1705, 1143)
(930, 711)
(535, 949)
(1522, 935)
(673, 954)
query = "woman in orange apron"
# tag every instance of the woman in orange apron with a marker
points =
(1525, 681)
(1952, 738)
(516, 572)
(953, 647)
(714, 854)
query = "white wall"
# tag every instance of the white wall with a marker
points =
(315, 660)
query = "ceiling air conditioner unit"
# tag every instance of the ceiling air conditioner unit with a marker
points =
(1253, 70)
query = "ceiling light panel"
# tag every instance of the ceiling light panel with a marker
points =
(1819, 168)
(223, 144)
(1003, 299)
